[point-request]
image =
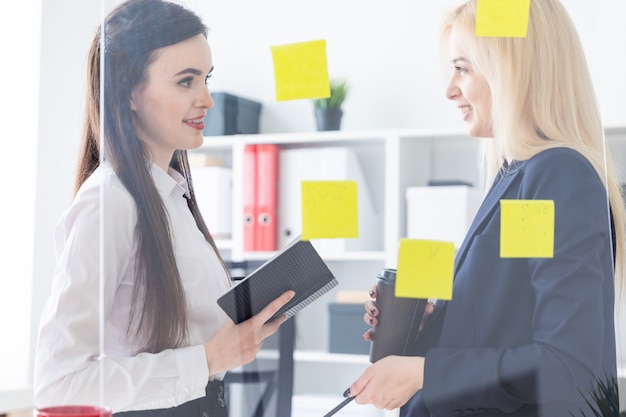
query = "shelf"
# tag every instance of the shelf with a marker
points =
(319, 356)
(339, 136)
(326, 357)
(349, 136)
(373, 256)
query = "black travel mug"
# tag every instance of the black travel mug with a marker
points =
(398, 319)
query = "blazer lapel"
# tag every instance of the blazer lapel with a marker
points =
(501, 184)
(488, 206)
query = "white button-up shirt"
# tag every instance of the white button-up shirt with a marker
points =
(83, 354)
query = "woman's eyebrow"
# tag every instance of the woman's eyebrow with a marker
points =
(193, 71)
(457, 60)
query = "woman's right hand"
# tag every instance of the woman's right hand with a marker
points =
(234, 345)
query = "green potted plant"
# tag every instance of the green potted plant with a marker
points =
(603, 399)
(328, 111)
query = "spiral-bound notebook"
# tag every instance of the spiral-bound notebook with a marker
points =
(297, 267)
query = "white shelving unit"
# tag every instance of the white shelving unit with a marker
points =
(391, 160)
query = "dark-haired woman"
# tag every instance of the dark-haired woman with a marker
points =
(132, 321)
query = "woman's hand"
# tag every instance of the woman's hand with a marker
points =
(234, 345)
(390, 382)
(371, 314)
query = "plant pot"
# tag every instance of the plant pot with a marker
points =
(328, 119)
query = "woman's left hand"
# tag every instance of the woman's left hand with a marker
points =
(390, 382)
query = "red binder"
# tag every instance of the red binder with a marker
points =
(266, 197)
(249, 197)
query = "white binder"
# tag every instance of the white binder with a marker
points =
(441, 212)
(324, 164)
(213, 188)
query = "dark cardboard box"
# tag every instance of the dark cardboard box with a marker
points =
(231, 115)
(346, 328)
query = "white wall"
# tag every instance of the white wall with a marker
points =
(64, 43)
(387, 51)
(19, 87)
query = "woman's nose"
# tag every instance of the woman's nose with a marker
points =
(205, 99)
(452, 90)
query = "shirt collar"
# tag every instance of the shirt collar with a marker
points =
(509, 168)
(170, 182)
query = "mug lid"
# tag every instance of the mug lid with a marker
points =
(388, 275)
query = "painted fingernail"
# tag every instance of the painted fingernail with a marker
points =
(372, 311)
(346, 393)
(371, 293)
(371, 321)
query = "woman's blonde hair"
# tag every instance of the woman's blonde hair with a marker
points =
(542, 97)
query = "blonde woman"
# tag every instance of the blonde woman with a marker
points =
(521, 336)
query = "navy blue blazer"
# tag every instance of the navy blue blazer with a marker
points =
(524, 337)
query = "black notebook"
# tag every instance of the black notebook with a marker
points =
(297, 267)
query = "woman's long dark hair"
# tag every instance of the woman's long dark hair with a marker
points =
(127, 41)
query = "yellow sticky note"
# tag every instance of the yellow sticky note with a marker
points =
(526, 228)
(301, 70)
(502, 18)
(329, 209)
(425, 269)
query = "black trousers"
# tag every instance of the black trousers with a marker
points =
(212, 404)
